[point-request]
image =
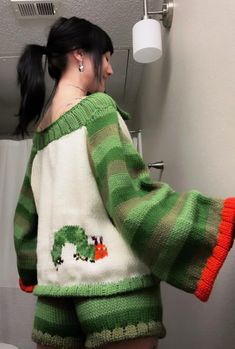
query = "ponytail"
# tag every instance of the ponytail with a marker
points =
(65, 35)
(30, 78)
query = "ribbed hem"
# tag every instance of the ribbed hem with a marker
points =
(85, 111)
(220, 251)
(56, 341)
(151, 328)
(98, 289)
(95, 340)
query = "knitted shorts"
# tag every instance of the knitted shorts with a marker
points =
(71, 323)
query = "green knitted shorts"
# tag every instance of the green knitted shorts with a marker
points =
(91, 322)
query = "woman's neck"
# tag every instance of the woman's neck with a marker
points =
(70, 88)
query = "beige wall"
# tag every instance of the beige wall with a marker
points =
(186, 110)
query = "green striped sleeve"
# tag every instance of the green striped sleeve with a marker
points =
(184, 238)
(25, 233)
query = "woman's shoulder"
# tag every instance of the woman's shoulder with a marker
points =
(101, 100)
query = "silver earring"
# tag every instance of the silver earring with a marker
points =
(81, 67)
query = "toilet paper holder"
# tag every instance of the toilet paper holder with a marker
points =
(158, 165)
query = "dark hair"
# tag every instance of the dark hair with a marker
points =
(66, 35)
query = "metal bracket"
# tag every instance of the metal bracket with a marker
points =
(166, 12)
(158, 165)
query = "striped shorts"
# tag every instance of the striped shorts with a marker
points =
(71, 323)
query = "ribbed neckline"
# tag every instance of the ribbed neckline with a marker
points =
(77, 116)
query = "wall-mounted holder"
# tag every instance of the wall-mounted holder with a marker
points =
(166, 12)
(158, 165)
(146, 34)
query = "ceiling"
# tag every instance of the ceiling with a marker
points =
(115, 17)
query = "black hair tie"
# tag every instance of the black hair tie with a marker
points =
(44, 50)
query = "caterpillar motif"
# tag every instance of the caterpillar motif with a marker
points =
(84, 251)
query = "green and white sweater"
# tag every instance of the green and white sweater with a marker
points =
(90, 221)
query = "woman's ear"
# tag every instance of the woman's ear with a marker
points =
(78, 55)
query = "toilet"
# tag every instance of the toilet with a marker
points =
(7, 346)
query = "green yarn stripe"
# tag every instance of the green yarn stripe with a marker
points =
(131, 201)
(117, 304)
(26, 206)
(177, 248)
(199, 244)
(121, 181)
(107, 149)
(55, 328)
(117, 166)
(47, 307)
(26, 263)
(133, 159)
(25, 229)
(27, 255)
(147, 217)
(110, 321)
(56, 317)
(167, 230)
(25, 216)
(149, 223)
(109, 130)
(107, 119)
(168, 220)
(109, 313)
(26, 188)
(192, 240)
(98, 289)
(59, 324)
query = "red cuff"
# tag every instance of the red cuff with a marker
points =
(26, 288)
(220, 251)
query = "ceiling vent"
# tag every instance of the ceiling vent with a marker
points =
(35, 9)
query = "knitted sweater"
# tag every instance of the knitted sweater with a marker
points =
(90, 221)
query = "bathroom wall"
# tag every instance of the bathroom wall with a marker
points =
(185, 109)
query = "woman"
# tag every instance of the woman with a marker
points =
(94, 235)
